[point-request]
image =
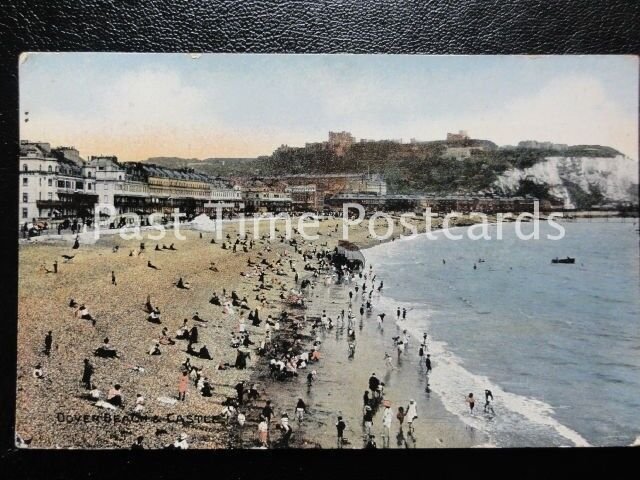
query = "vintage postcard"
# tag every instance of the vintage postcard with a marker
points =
(225, 251)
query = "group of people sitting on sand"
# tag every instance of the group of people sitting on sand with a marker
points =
(164, 247)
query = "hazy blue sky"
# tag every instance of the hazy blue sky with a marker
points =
(141, 105)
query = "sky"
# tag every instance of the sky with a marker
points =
(137, 106)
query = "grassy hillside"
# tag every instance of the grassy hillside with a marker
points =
(406, 167)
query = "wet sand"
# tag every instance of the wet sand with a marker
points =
(342, 381)
(51, 411)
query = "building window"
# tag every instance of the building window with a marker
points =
(50, 196)
(89, 174)
(49, 169)
(25, 198)
(79, 186)
(89, 186)
(25, 213)
(50, 182)
(25, 181)
(25, 168)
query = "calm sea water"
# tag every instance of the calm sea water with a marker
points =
(558, 345)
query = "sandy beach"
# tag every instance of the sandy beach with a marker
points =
(52, 412)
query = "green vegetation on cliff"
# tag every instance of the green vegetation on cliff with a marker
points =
(421, 167)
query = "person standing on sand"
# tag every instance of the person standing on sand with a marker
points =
(387, 416)
(263, 432)
(48, 340)
(240, 391)
(387, 360)
(340, 426)
(412, 414)
(286, 430)
(428, 363)
(400, 416)
(301, 408)
(374, 383)
(367, 419)
(113, 278)
(183, 385)
(404, 314)
(398, 313)
(86, 374)
(365, 400)
(267, 412)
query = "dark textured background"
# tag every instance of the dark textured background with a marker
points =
(437, 27)
(473, 26)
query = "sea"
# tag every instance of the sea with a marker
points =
(558, 345)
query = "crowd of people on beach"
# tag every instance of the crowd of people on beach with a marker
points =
(289, 342)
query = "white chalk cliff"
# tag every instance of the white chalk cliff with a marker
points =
(615, 177)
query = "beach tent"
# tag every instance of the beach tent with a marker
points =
(204, 223)
(349, 253)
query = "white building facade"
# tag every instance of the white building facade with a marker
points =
(52, 183)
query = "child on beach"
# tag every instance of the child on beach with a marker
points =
(387, 416)
(387, 359)
(183, 385)
(286, 430)
(367, 419)
(340, 426)
(400, 416)
(412, 414)
(139, 408)
(263, 431)
(471, 401)
(301, 408)
(487, 404)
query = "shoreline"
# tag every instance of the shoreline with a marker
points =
(120, 316)
(509, 398)
(436, 426)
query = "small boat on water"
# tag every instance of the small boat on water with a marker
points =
(563, 260)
